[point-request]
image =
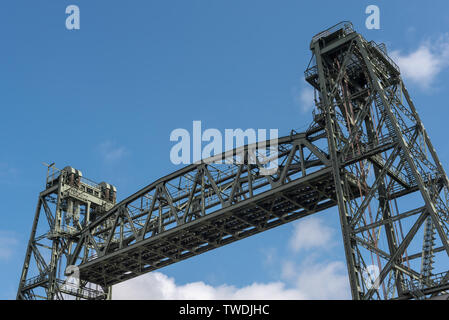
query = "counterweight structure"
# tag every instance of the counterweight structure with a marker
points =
(366, 153)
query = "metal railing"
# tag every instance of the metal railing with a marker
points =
(382, 50)
(35, 280)
(77, 291)
(434, 280)
(310, 72)
(346, 26)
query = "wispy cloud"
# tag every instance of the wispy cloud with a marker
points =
(423, 65)
(270, 255)
(310, 233)
(318, 280)
(304, 97)
(111, 152)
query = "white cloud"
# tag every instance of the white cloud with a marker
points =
(308, 280)
(157, 286)
(288, 270)
(111, 152)
(310, 233)
(424, 64)
(8, 243)
(319, 280)
(314, 281)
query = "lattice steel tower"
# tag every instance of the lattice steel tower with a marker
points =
(68, 203)
(375, 134)
(366, 152)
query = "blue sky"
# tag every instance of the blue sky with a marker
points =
(105, 98)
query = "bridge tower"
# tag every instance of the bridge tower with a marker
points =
(68, 203)
(375, 134)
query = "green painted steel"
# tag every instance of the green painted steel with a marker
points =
(365, 153)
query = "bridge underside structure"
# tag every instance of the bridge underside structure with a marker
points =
(365, 153)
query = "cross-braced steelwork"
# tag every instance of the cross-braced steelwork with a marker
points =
(366, 152)
(375, 134)
(66, 206)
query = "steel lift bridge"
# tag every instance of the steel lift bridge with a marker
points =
(366, 153)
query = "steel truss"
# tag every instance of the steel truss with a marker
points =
(366, 152)
(206, 206)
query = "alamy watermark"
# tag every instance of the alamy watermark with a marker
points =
(72, 282)
(257, 147)
(373, 20)
(73, 19)
(72, 22)
(371, 278)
